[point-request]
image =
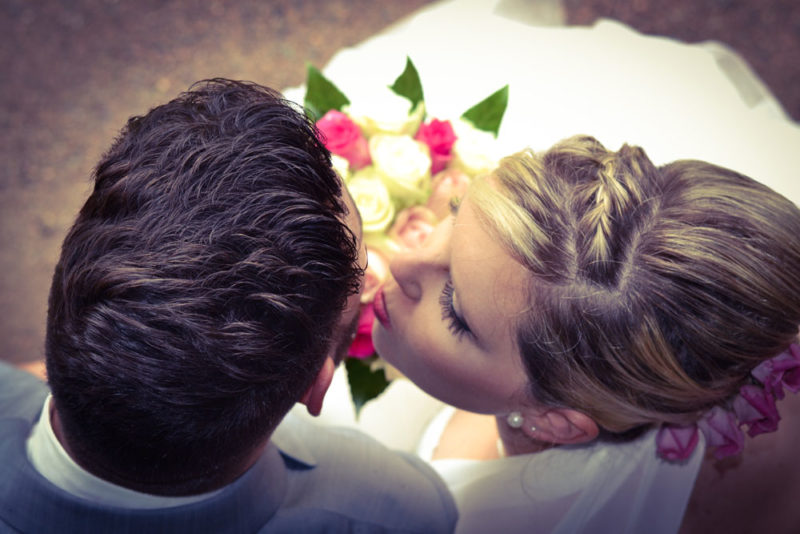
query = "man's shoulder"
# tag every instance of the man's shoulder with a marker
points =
(21, 393)
(342, 475)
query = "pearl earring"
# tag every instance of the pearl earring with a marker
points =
(514, 420)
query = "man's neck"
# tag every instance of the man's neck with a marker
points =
(51, 460)
(197, 486)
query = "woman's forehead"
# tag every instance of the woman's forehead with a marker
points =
(490, 284)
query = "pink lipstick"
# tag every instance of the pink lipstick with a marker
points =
(381, 314)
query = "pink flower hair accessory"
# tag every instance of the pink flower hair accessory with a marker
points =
(721, 430)
(754, 407)
(676, 443)
(781, 371)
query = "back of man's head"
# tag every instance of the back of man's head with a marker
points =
(198, 292)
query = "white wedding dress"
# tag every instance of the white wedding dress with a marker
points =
(594, 488)
(677, 101)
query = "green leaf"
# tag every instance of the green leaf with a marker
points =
(487, 114)
(409, 85)
(365, 384)
(321, 94)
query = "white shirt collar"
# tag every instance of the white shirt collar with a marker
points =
(52, 462)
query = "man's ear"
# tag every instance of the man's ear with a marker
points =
(560, 426)
(315, 394)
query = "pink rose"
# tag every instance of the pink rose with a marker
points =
(755, 407)
(412, 226)
(446, 185)
(722, 431)
(675, 442)
(439, 136)
(375, 275)
(343, 137)
(362, 346)
(782, 370)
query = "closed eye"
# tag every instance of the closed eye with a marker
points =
(457, 326)
(454, 203)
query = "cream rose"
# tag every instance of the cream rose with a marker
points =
(372, 200)
(476, 152)
(384, 111)
(341, 166)
(404, 166)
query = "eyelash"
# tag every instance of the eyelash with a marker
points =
(454, 203)
(456, 325)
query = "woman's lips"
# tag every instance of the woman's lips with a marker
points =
(379, 304)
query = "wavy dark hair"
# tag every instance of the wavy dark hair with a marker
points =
(199, 289)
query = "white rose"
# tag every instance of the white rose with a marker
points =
(384, 111)
(404, 166)
(475, 151)
(295, 94)
(372, 200)
(341, 166)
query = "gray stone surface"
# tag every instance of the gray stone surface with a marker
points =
(73, 72)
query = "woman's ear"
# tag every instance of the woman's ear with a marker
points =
(561, 426)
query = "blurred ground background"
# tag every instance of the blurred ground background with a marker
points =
(72, 72)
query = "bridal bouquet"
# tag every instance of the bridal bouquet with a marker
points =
(402, 167)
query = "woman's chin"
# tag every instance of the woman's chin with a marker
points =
(383, 343)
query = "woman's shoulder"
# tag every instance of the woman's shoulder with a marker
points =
(595, 487)
(755, 491)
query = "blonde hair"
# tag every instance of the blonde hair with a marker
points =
(653, 291)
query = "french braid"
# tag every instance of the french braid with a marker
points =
(653, 291)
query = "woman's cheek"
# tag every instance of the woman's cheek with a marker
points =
(434, 344)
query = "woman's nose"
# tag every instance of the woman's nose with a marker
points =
(414, 269)
(405, 270)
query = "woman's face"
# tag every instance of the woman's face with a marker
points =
(446, 317)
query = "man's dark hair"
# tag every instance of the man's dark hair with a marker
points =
(199, 289)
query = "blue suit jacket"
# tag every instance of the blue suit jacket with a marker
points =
(309, 479)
